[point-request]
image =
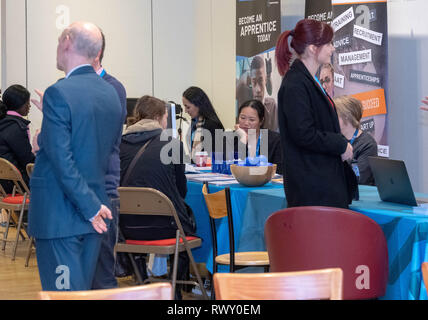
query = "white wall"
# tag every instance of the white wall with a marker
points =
(408, 83)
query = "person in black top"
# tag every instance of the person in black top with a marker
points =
(14, 133)
(314, 149)
(251, 116)
(153, 171)
(350, 111)
(205, 121)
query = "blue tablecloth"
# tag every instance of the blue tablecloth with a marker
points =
(406, 232)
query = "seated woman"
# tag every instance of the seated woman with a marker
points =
(150, 171)
(350, 111)
(198, 106)
(251, 115)
(14, 132)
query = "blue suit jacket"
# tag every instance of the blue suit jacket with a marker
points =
(81, 121)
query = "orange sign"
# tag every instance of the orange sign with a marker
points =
(373, 102)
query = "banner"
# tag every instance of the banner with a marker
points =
(360, 61)
(258, 26)
(319, 10)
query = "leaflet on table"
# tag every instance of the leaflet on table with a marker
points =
(422, 209)
(194, 169)
(212, 178)
(225, 182)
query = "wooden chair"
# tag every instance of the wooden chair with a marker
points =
(18, 201)
(219, 206)
(425, 274)
(147, 201)
(321, 284)
(31, 243)
(154, 291)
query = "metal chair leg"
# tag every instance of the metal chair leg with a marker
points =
(175, 266)
(198, 276)
(6, 232)
(29, 249)
(18, 230)
(136, 271)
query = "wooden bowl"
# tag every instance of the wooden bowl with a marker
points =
(253, 176)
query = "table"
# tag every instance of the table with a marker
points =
(406, 232)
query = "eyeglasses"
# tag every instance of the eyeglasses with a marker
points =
(325, 80)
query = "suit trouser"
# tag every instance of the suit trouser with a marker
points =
(68, 263)
(104, 277)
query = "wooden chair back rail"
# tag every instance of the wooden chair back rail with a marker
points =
(216, 203)
(306, 285)
(155, 291)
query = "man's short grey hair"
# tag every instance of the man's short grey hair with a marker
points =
(84, 42)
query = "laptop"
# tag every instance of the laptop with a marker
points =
(392, 181)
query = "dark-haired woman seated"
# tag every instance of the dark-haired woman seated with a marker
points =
(153, 171)
(204, 120)
(14, 133)
(251, 116)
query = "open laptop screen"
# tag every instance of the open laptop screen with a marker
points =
(392, 181)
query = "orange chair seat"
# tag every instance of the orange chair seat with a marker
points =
(163, 242)
(15, 200)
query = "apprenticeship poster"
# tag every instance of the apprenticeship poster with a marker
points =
(361, 61)
(319, 10)
(258, 26)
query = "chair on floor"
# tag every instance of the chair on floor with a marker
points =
(425, 274)
(31, 243)
(308, 238)
(219, 206)
(18, 201)
(324, 284)
(153, 291)
(147, 201)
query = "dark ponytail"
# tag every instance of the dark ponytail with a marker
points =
(3, 110)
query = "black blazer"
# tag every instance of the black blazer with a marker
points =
(312, 143)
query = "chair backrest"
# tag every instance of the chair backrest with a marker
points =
(308, 238)
(425, 274)
(9, 172)
(155, 291)
(304, 285)
(219, 206)
(30, 169)
(147, 201)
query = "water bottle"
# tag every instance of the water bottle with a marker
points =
(357, 174)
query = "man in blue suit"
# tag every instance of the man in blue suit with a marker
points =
(105, 271)
(68, 199)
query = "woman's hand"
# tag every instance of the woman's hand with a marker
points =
(243, 136)
(424, 101)
(38, 104)
(349, 153)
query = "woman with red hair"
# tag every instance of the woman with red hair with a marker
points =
(313, 147)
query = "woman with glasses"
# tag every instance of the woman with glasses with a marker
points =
(327, 78)
(251, 116)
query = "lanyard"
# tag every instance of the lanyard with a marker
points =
(316, 79)
(258, 145)
(102, 74)
(353, 137)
